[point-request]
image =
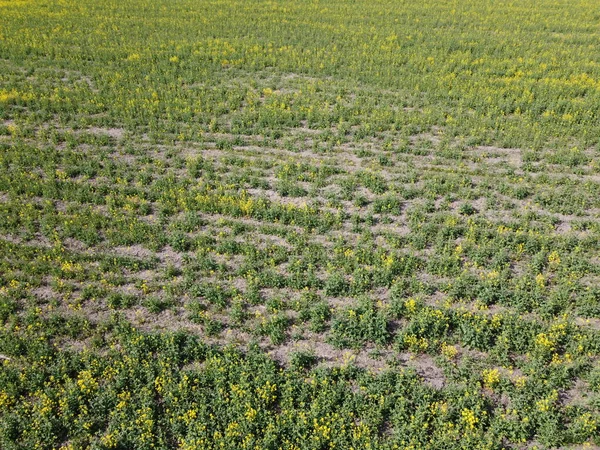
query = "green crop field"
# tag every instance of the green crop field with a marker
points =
(299, 224)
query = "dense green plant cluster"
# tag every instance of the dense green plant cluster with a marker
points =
(165, 390)
(299, 224)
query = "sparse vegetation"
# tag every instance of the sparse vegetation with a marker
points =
(299, 224)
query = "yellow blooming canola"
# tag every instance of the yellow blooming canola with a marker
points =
(468, 416)
(11, 96)
(299, 224)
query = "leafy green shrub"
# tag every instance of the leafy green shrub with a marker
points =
(355, 326)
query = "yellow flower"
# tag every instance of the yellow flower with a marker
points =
(250, 414)
(449, 351)
(491, 377)
(468, 417)
(554, 259)
(521, 381)
(545, 404)
(410, 305)
(540, 280)
(543, 341)
(86, 382)
(108, 440)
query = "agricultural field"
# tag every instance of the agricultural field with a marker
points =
(299, 224)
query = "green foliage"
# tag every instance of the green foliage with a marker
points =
(397, 200)
(355, 326)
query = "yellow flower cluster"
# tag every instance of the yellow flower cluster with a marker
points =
(491, 377)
